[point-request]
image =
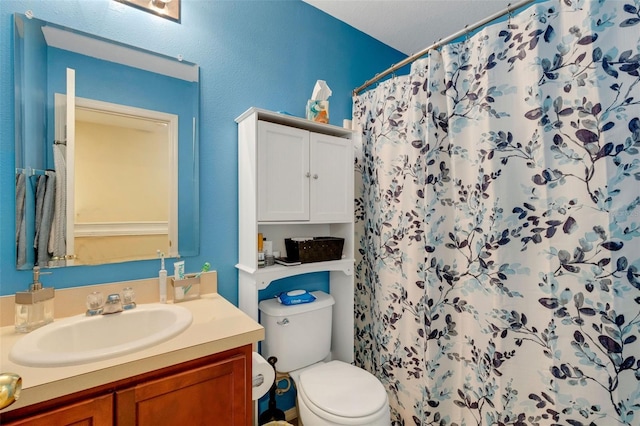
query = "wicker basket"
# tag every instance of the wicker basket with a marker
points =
(319, 249)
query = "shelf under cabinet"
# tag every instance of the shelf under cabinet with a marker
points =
(264, 276)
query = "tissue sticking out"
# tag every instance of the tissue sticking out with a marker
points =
(318, 105)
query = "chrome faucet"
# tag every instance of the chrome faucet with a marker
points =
(113, 304)
(96, 305)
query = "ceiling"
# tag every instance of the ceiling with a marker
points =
(410, 25)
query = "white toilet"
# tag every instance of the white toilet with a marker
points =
(329, 393)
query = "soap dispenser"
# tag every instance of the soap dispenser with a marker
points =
(34, 308)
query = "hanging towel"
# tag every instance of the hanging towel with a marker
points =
(57, 239)
(47, 218)
(21, 231)
(41, 188)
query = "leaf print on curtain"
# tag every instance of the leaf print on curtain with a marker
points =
(498, 218)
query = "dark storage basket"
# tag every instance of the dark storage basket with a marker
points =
(319, 249)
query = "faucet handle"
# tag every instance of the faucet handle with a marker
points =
(128, 298)
(95, 303)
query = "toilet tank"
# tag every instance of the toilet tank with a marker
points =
(298, 335)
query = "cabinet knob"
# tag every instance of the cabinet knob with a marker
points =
(308, 174)
(315, 176)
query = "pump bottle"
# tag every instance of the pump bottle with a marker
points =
(34, 307)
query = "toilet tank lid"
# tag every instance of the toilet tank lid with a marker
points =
(276, 309)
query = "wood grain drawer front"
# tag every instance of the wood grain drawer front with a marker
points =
(212, 394)
(91, 412)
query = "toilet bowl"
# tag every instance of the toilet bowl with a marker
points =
(337, 393)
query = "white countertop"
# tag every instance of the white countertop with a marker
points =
(217, 326)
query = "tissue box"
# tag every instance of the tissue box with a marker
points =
(318, 111)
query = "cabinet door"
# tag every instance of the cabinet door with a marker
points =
(283, 173)
(331, 165)
(215, 394)
(90, 412)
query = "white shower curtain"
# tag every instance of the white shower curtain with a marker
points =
(499, 224)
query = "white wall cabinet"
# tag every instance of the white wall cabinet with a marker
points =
(303, 175)
(295, 178)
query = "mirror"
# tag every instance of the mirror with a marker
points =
(106, 150)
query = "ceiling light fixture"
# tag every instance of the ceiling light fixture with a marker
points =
(165, 8)
(160, 4)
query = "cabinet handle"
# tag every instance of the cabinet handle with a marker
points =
(315, 176)
(307, 174)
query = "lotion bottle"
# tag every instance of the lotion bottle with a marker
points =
(162, 279)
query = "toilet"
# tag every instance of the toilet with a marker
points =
(328, 393)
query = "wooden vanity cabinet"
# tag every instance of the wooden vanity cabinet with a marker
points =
(215, 393)
(207, 391)
(96, 411)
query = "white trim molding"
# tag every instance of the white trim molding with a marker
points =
(113, 229)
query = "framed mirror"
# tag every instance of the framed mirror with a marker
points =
(106, 150)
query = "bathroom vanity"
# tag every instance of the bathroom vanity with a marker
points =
(203, 373)
(211, 389)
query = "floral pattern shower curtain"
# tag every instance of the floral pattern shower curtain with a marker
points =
(499, 224)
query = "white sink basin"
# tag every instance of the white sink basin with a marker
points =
(82, 339)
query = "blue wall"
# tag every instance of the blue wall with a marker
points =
(266, 54)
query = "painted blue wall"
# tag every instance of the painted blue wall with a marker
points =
(266, 54)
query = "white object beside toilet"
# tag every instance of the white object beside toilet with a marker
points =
(329, 393)
(262, 376)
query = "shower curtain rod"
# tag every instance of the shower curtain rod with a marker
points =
(467, 29)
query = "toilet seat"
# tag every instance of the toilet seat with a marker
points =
(338, 391)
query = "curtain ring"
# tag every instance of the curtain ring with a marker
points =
(509, 13)
(466, 35)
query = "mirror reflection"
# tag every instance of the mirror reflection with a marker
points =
(106, 150)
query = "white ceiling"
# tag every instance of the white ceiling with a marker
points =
(410, 25)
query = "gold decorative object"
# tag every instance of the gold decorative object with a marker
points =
(10, 388)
